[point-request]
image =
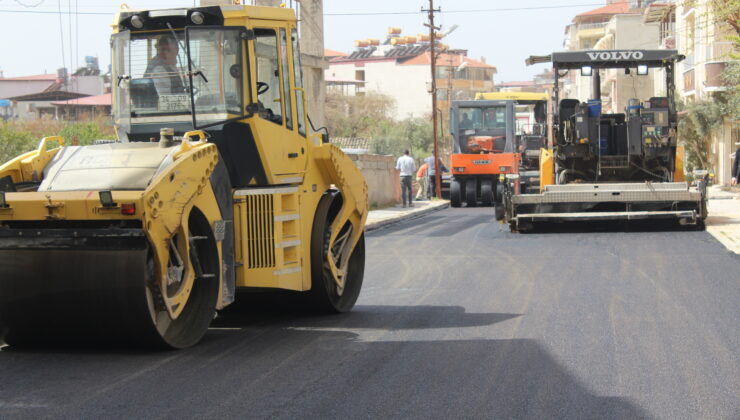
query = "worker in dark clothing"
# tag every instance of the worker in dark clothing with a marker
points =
(431, 172)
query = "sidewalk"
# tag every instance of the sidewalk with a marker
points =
(724, 217)
(383, 217)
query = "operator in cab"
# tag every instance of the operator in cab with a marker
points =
(162, 68)
(466, 122)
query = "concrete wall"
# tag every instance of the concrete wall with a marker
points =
(383, 180)
(312, 57)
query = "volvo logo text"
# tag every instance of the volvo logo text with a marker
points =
(616, 55)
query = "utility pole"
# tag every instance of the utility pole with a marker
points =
(433, 53)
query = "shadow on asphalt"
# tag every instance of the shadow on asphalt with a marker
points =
(632, 226)
(363, 317)
(313, 370)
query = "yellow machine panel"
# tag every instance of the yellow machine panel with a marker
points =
(215, 185)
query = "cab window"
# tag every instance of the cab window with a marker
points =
(269, 90)
(286, 79)
(298, 76)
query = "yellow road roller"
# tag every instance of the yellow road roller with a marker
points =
(214, 185)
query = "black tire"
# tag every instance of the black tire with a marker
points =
(499, 211)
(524, 227)
(486, 192)
(324, 296)
(471, 192)
(455, 193)
(192, 324)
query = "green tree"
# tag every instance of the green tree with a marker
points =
(695, 131)
(371, 116)
(414, 134)
(357, 116)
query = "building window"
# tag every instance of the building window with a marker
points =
(360, 75)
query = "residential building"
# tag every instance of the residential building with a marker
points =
(616, 26)
(542, 82)
(400, 67)
(33, 97)
(345, 87)
(705, 43)
(88, 107)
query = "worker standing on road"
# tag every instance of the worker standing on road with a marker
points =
(421, 178)
(431, 172)
(406, 165)
(736, 166)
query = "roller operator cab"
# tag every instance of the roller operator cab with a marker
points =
(615, 158)
(215, 185)
(495, 135)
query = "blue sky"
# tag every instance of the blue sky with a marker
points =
(31, 43)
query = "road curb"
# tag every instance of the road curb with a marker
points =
(370, 226)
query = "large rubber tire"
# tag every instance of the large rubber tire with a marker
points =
(455, 193)
(499, 211)
(324, 295)
(192, 324)
(471, 192)
(90, 296)
(486, 192)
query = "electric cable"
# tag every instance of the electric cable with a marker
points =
(506, 9)
(30, 5)
(61, 32)
(502, 9)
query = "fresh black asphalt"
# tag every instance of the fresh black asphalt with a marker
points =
(458, 318)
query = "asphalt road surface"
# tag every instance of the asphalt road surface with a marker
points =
(458, 318)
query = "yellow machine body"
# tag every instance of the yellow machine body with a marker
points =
(547, 168)
(261, 231)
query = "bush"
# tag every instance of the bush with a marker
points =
(14, 141)
(371, 116)
(18, 137)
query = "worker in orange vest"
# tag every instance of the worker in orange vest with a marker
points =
(421, 178)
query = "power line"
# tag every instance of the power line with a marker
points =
(61, 32)
(502, 9)
(71, 45)
(30, 5)
(49, 12)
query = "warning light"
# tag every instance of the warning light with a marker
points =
(128, 209)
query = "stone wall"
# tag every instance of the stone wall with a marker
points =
(384, 185)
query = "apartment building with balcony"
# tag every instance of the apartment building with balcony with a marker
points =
(618, 25)
(400, 67)
(704, 41)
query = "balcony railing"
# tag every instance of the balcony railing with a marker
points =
(713, 75)
(668, 43)
(719, 51)
(688, 81)
(592, 25)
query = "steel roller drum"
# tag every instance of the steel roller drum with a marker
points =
(97, 290)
